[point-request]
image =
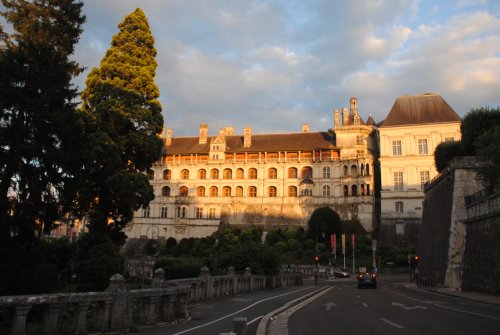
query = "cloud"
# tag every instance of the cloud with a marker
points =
(274, 64)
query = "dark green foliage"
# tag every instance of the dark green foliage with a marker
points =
(489, 152)
(475, 124)
(38, 123)
(179, 268)
(97, 260)
(445, 151)
(123, 120)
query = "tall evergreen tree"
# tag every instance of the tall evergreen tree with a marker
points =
(37, 115)
(124, 120)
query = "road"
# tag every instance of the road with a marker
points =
(392, 308)
(216, 316)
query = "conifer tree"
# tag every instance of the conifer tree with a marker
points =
(124, 119)
(37, 116)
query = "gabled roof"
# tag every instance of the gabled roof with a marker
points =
(420, 109)
(265, 142)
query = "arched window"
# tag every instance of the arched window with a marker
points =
(346, 190)
(326, 172)
(362, 169)
(151, 175)
(252, 173)
(344, 171)
(185, 174)
(226, 191)
(326, 191)
(214, 191)
(367, 167)
(362, 189)
(239, 191)
(272, 173)
(292, 191)
(252, 191)
(165, 191)
(240, 174)
(354, 171)
(214, 174)
(202, 174)
(183, 191)
(227, 174)
(292, 172)
(354, 190)
(167, 174)
(200, 191)
(306, 172)
(367, 189)
(271, 192)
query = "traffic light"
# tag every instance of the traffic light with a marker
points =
(289, 268)
(316, 259)
(416, 259)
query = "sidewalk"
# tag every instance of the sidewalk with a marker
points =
(473, 296)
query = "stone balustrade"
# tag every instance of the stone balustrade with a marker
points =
(120, 310)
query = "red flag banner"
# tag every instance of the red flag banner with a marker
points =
(352, 241)
(332, 241)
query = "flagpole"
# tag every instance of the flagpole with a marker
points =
(353, 261)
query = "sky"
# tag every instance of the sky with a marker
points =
(274, 65)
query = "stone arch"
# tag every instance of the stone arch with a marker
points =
(323, 222)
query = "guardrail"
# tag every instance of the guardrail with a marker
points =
(120, 310)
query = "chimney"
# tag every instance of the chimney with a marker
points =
(168, 139)
(336, 118)
(305, 128)
(247, 137)
(345, 116)
(229, 131)
(203, 133)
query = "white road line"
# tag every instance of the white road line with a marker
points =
(241, 310)
(395, 325)
(257, 318)
(445, 307)
(364, 304)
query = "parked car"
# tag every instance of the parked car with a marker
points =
(341, 273)
(367, 279)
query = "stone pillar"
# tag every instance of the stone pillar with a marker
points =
(50, 316)
(181, 309)
(80, 318)
(120, 308)
(205, 275)
(19, 319)
(167, 307)
(240, 326)
(158, 278)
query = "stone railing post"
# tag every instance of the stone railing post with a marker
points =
(248, 272)
(181, 309)
(19, 319)
(233, 289)
(50, 316)
(158, 278)
(120, 306)
(205, 275)
(152, 308)
(104, 315)
(80, 318)
(240, 326)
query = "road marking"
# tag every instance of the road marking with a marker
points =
(408, 308)
(364, 304)
(329, 305)
(445, 307)
(241, 310)
(257, 318)
(395, 325)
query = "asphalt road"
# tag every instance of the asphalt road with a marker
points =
(392, 308)
(216, 316)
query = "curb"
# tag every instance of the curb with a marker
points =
(264, 323)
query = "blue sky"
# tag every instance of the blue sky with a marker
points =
(273, 65)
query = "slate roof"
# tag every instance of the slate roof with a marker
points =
(260, 143)
(420, 109)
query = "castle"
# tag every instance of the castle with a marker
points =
(271, 180)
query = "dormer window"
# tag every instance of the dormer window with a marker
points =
(356, 119)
